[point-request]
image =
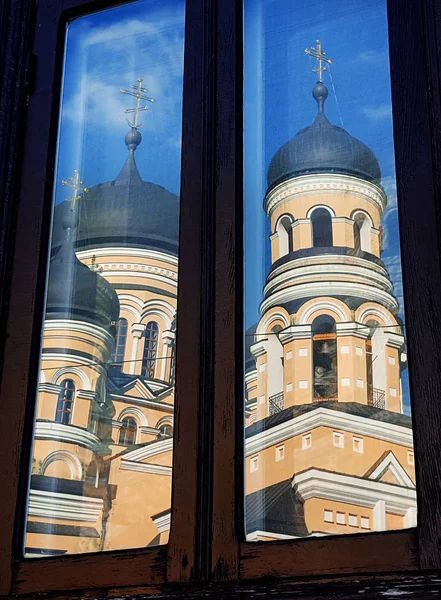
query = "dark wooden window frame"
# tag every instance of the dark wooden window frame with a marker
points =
(207, 499)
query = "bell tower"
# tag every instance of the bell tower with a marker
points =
(328, 328)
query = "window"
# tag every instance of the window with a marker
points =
(65, 402)
(416, 155)
(340, 518)
(306, 441)
(353, 520)
(120, 342)
(127, 433)
(338, 439)
(280, 453)
(328, 516)
(357, 444)
(150, 350)
(321, 221)
(324, 350)
(410, 458)
(165, 430)
(254, 464)
(364, 523)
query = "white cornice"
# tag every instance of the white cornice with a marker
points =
(162, 522)
(352, 328)
(325, 417)
(330, 288)
(153, 449)
(79, 327)
(253, 537)
(136, 270)
(259, 348)
(295, 332)
(69, 434)
(251, 376)
(130, 252)
(49, 388)
(325, 259)
(143, 402)
(129, 465)
(69, 507)
(353, 490)
(324, 184)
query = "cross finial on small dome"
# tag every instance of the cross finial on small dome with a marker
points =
(320, 57)
(139, 94)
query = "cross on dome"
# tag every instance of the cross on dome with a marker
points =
(139, 94)
(75, 183)
(320, 57)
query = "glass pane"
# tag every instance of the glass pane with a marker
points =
(329, 446)
(102, 455)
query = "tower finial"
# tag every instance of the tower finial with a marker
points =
(75, 183)
(139, 94)
(320, 57)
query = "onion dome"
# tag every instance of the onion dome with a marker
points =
(323, 148)
(74, 291)
(125, 212)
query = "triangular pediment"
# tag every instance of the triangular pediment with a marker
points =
(389, 470)
(139, 389)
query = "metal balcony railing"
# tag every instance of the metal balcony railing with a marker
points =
(276, 403)
(377, 398)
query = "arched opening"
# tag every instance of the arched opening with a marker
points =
(324, 356)
(275, 371)
(127, 433)
(375, 365)
(321, 222)
(117, 357)
(150, 350)
(362, 234)
(165, 430)
(284, 233)
(65, 402)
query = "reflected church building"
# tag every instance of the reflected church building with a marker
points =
(328, 447)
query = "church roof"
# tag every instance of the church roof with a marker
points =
(323, 148)
(125, 212)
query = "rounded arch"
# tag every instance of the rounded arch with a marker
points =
(121, 335)
(66, 371)
(366, 312)
(131, 311)
(74, 464)
(133, 411)
(324, 206)
(362, 232)
(284, 232)
(128, 432)
(275, 317)
(158, 308)
(358, 212)
(335, 308)
(163, 420)
(321, 227)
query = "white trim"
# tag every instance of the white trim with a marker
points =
(143, 402)
(330, 288)
(133, 411)
(390, 463)
(131, 465)
(162, 522)
(253, 536)
(376, 312)
(317, 206)
(263, 327)
(63, 371)
(168, 420)
(251, 376)
(144, 271)
(295, 332)
(135, 252)
(80, 327)
(69, 507)
(158, 447)
(327, 305)
(336, 487)
(72, 461)
(325, 417)
(69, 434)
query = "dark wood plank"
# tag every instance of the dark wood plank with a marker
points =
(228, 393)
(108, 569)
(414, 63)
(370, 553)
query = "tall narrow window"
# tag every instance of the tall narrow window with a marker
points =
(284, 231)
(120, 342)
(127, 433)
(65, 402)
(324, 353)
(150, 350)
(321, 222)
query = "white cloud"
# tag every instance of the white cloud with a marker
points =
(390, 219)
(393, 265)
(382, 111)
(372, 57)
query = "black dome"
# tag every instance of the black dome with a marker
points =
(76, 292)
(125, 212)
(323, 148)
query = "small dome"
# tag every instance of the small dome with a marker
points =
(323, 148)
(125, 212)
(76, 292)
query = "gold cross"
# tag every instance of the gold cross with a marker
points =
(138, 94)
(75, 183)
(320, 56)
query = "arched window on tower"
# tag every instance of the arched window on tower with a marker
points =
(375, 365)
(321, 222)
(284, 232)
(120, 342)
(362, 234)
(127, 433)
(65, 402)
(165, 430)
(324, 356)
(150, 350)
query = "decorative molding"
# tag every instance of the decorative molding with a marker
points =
(259, 348)
(73, 462)
(330, 210)
(130, 252)
(69, 507)
(143, 402)
(49, 388)
(153, 449)
(325, 417)
(324, 304)
(140, 467)
(253, 536)
(63, 371)
(133, 411)
(251, 376)
(354, 329)
(134, 270)
(162, 522)
(324, 184)
(390, 463)
(315, 483)
(87, 394)
(295, 332)
(69, 434)
(79, 327)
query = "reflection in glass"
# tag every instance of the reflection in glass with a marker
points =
(102, 455)
(329, 446)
